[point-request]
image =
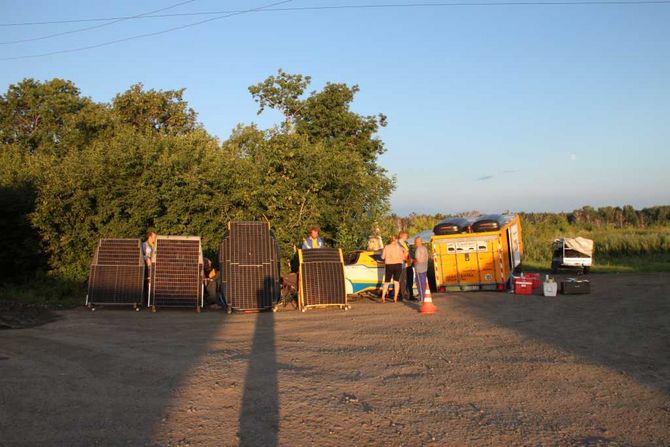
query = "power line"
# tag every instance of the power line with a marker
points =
(363, 6)
(139, 36)
(88, 28)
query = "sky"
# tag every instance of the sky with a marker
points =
(490, 108)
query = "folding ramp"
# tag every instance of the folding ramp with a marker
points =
(176, 277)
(117, 274)
(249, 261)
(322, 279)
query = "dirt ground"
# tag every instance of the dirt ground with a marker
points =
(489, 369)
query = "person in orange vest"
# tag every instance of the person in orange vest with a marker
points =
(312, 240)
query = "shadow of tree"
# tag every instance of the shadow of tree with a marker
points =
(19, 242)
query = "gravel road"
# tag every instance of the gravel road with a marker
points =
(490, 369)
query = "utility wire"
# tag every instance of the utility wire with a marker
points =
(88, 28)
(139, 36)
(362, 6)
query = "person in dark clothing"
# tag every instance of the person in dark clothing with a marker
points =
(407, 275)
(209, 280)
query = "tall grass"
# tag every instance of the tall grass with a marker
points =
(611, 243)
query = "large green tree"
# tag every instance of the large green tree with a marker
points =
(86, 170)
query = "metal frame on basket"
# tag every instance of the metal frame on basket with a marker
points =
(91, 303)
(199, 299)
(301, 287)
(225, 270)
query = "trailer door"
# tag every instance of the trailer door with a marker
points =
(467, 263)
(485, 256)
(514, 246)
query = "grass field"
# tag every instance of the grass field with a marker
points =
(657, 262)
(616, 249)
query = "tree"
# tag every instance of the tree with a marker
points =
(121, 187)
(333, 154)
(19, 241)
(323, 116)
(95, 170)
(282, 93)
(155, 111)
(38, 116)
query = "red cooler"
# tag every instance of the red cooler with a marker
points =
(523, 286)
(534, 278)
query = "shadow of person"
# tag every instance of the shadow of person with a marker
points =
(259, 413)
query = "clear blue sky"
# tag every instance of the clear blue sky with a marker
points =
(490, 108)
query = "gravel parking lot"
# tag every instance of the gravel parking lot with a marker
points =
(489, 369)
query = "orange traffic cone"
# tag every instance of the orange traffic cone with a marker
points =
(427, 307)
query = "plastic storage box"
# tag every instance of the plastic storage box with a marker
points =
(575, 287)
(534, 278)
(550, 288)
(523, 286)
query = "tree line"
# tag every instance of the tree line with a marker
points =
(74, 170)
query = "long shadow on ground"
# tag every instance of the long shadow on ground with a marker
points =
(624, 324)
(259, 414)
(96, 376)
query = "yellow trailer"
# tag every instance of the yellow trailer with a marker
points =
(481, 254)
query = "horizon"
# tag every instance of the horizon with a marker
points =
(537, 109)
(512, 212)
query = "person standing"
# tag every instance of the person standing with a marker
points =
(149, 249)
(209, 281)
(393, 256)
(407, 275)
(375, 241)
(312, 240)
(149, 256)
(420, 267)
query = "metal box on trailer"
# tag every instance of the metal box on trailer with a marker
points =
(483, 260)
(249, 262)
(117, 274)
